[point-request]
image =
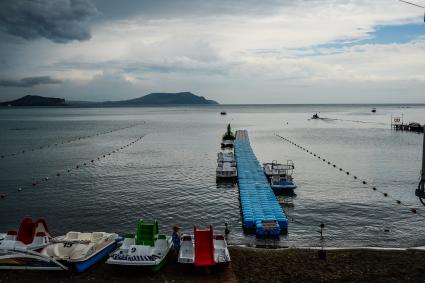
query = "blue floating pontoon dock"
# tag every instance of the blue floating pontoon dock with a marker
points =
(260, 209)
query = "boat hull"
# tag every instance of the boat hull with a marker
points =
(82, 266)
(288, 187)
(154, 265)
(12, 259)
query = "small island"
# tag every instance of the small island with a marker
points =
(179, 98)
(35, 100)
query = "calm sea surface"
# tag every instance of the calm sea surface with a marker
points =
(169, 175)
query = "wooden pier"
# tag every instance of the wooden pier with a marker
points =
(398, 124)
(411, 127)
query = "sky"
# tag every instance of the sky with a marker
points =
(231, 51)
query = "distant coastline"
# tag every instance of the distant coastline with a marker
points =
(180, 99)
(152, 99)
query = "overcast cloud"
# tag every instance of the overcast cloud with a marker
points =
(318, 51)
(58, 20)
(29, 82)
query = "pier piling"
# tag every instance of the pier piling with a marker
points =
(423, 159)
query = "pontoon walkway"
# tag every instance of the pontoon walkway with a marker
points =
(260, 209)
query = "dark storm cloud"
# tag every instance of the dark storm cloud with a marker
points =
(58, 20)
(29, 82)
(112, 9)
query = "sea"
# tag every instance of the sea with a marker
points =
(103, 169)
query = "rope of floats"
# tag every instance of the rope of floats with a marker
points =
(2, 156)
(363, 181)
(93, 161)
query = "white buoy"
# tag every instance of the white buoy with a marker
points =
(19, 189)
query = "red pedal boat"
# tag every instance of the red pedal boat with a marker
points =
(20, 249)
(203, 248)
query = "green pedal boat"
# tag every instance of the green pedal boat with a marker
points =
(146, 248)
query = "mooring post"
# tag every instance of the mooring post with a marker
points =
(423, 159)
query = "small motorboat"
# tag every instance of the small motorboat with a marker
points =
(373, 110)
(203, 248)
(20, 249)
(227, 144)
(226, 172)
(280, 176)
(228, 138)
(226, 157)
(315, 116)
(145, 248)
(80, 251)
(223, 113)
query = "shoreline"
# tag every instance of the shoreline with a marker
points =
(259, 264)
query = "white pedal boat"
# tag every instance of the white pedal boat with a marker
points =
(20, 249)
(81, 250)
(146, 248)
(203, 248)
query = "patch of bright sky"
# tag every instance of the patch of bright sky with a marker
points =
(388, 34)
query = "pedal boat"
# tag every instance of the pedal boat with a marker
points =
(146, 248)
(79, 251)
(20, 249)
(203, 248)
(280, 176)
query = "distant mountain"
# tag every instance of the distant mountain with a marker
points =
(35, 100)
(180, 98)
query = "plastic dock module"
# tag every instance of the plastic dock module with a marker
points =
(204, 247)
(260, 209)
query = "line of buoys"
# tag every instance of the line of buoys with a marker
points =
(364, 182)
(38, 182)
(2, 156)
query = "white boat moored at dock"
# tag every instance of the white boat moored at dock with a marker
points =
(280, 176)
(227, 144)
(225, 171)
(226, 157)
